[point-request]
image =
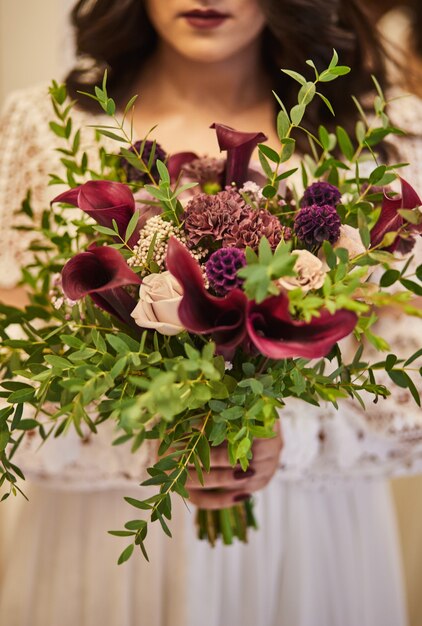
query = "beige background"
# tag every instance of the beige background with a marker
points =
(35, 46)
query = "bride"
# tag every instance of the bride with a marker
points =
(326, 553)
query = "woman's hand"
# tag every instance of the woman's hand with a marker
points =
(224, 485)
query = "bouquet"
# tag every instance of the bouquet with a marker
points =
(187, 298)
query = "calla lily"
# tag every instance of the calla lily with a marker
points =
(101, 273)
(104, 201)
(276, 335)
(390, 219)
(239, 147)
(199, 311)
(176, 162)
(233, 320)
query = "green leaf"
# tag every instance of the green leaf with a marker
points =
(265, 165)
(324, 137)
(132, 225)
(126, 554)
(204, 453)
(4, 438)
(283, 124)
(345, 143)
(130, 104)
(399, 377)
(389, 278)
(296, 76)
(111, 135)
(307, 93)
(22, 395)
(297, 113)
(264, 251)
(269, 191)
(412, 286)
(163, 171)
(326, 102)
(269, 153)
(377, 174)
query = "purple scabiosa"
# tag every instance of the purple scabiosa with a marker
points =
(134, 175)
(315, 224)
(253, 225)
(222, 267)
(321, 193)
(212, 216)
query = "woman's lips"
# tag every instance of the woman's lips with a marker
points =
(205, 19)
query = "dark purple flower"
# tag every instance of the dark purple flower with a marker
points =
(321, 193)
(104, 201)
(133, 175)
(222, 268)
(101, 273)
(199, 311)
(276, 335)
(239, 147)
(390, 220)
(315, 224)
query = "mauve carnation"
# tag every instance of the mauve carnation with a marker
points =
(135, 175)
(212, 216)
(316, 224)
(254, 225)
(222, 268)
(321, 193)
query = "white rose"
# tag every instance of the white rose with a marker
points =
(159, 299)
(351, 240)
(310, 272)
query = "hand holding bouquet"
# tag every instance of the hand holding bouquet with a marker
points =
(197, 295)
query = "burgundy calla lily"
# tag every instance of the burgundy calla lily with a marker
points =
(104, 201)
(239, 147)
(390, 219)
(199, 311)
(276, 335)
(101, 273)
(176, 162)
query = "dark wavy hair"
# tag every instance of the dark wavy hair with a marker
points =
(117, 35)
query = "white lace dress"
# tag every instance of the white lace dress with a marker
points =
(326, 553)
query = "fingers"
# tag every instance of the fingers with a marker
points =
(229, 478)
(220, 499)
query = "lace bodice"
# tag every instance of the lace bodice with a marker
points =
(320, 443)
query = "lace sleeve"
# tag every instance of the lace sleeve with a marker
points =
(386, 438)
(24, 164)
(28, 154)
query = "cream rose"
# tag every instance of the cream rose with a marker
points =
(350, 240)
(310, 272)
(159, 299)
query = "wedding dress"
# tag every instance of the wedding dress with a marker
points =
(326, 553)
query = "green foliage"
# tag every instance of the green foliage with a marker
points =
(73, 367)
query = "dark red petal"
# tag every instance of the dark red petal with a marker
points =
(199, 311)
(101, 273)
(106, 201)
(276, 335)
(390, 219)
(68, 197)
(176, 162)
(239, 147)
